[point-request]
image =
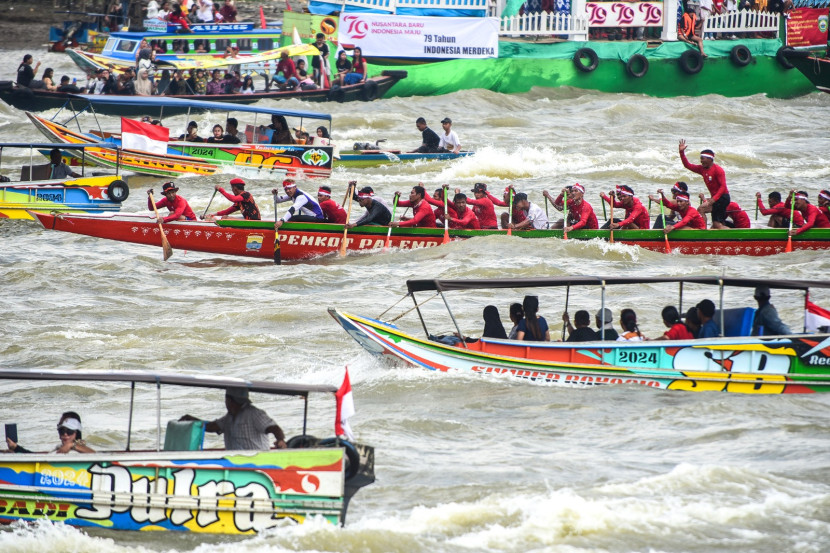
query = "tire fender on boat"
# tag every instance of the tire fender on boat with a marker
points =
(740, 55)
(691, 62)
(786, 52)
(301, 441)
(637, 66)
(394, 73)
(586, 54)
(336, 94)
(369, 91)
(118, 191)
(353, 457)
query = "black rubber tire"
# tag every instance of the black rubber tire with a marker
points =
(740, 55)
(118, 191)
(634, 62)
(301, 441)
(336, 94)
(369, 91)
(396, 73)
(352, 456)
(691, 62)
(786, 52)
(590, 55)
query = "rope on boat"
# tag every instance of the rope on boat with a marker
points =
(416, 306)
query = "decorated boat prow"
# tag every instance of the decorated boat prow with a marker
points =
(174, 484)
(736, 362)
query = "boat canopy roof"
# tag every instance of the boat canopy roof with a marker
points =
(441, 285)
(162, 102)
(195, 381)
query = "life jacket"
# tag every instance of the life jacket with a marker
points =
(689, 23)
(248, 207)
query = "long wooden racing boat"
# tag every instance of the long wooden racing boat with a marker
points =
(41, 99)
(377, 158)
(299, 241)
(736, 363)
(37, 190)
(176, 485)
(257, 158)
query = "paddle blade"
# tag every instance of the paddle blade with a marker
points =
(612, 236)
(277, 254)
(789, 246)
(668, 247)
(388, 240)
(165, 245)
(344, 243)
(509, 231)
(446, 236)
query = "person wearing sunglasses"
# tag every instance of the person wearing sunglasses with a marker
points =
(69, 431)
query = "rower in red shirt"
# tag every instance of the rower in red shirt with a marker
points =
(715, 180)
(582, 211)
(483, 207)
(437, 200)
(778, 211)
(465, 217)
(518, 214)
(678, 187)
(332, 212)
(423, 215)
(824, 202)
(738, 216)
(242, 201)
(813, 217)
(177, 205)
(636, 216)
(559, 204)
(689, 215)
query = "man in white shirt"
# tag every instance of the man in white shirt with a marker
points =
(449, 140)
(204, 13)
(535, 215)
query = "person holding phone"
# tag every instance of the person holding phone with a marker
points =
(69, 432)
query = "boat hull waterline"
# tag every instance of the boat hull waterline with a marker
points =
(748, 365)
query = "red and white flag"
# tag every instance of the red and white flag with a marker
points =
(345, 409)
(816, 317)
(136, 135)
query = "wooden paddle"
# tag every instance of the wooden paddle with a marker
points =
(611, 224)
(510, 214)
(789, 246)
(165, 245)
(389, 232)
(666, 236)
(446, 219)
(564, 324)
(565, 226)
(277, 254)
(602, 201)
(344, 242)
(210, 202)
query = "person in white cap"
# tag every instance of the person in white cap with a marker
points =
(69, 431)
(449, 140)
(244, 426)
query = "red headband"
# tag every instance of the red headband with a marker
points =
(824, 194)
(684, 197)
(578, 187)
(323, 192)
(624, 191)
(800, 197)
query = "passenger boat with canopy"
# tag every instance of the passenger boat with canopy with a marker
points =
(254, 157)
(36, 189)
(736, 362)
(301, 241)
(175, 484)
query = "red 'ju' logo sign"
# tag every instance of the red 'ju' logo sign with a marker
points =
(355, 27)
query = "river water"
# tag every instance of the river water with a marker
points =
(464, 463)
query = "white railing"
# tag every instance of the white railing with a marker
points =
(742, 21)
(392, 6)
(542, 24)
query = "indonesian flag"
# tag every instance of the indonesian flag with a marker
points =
(345, 409)
(816, 317)
(136, 135)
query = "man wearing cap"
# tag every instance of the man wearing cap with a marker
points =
(429, 140)
(778, 211)
(191, 134)
(178, 206)
(662, 221)
(423, 215)
(242, 201)
(333, 212)
(534, 215)
(636, 216)
(483, 206)
(377, 213)
(304, 208)
(605, 325)
(244, 426)
(813, 216)
(518, 214)
(689, 216)
(581, 211)
(767, 322)
(449, 140)
(715, 180)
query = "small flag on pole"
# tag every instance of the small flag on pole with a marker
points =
(136, 135)
(816, 317)
(345, 409)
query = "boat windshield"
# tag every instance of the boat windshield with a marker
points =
(126, 45)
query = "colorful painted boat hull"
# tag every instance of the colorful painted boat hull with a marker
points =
(82, 195)
(747, 365)
(228, 492)
(359, 160)
(249, 160)
(300, 241)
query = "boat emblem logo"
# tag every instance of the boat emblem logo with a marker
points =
(253, 243)
(315, 157)
(822, 24)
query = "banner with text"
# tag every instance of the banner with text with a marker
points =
(807, 27)
(420, 37)
(624, 14)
